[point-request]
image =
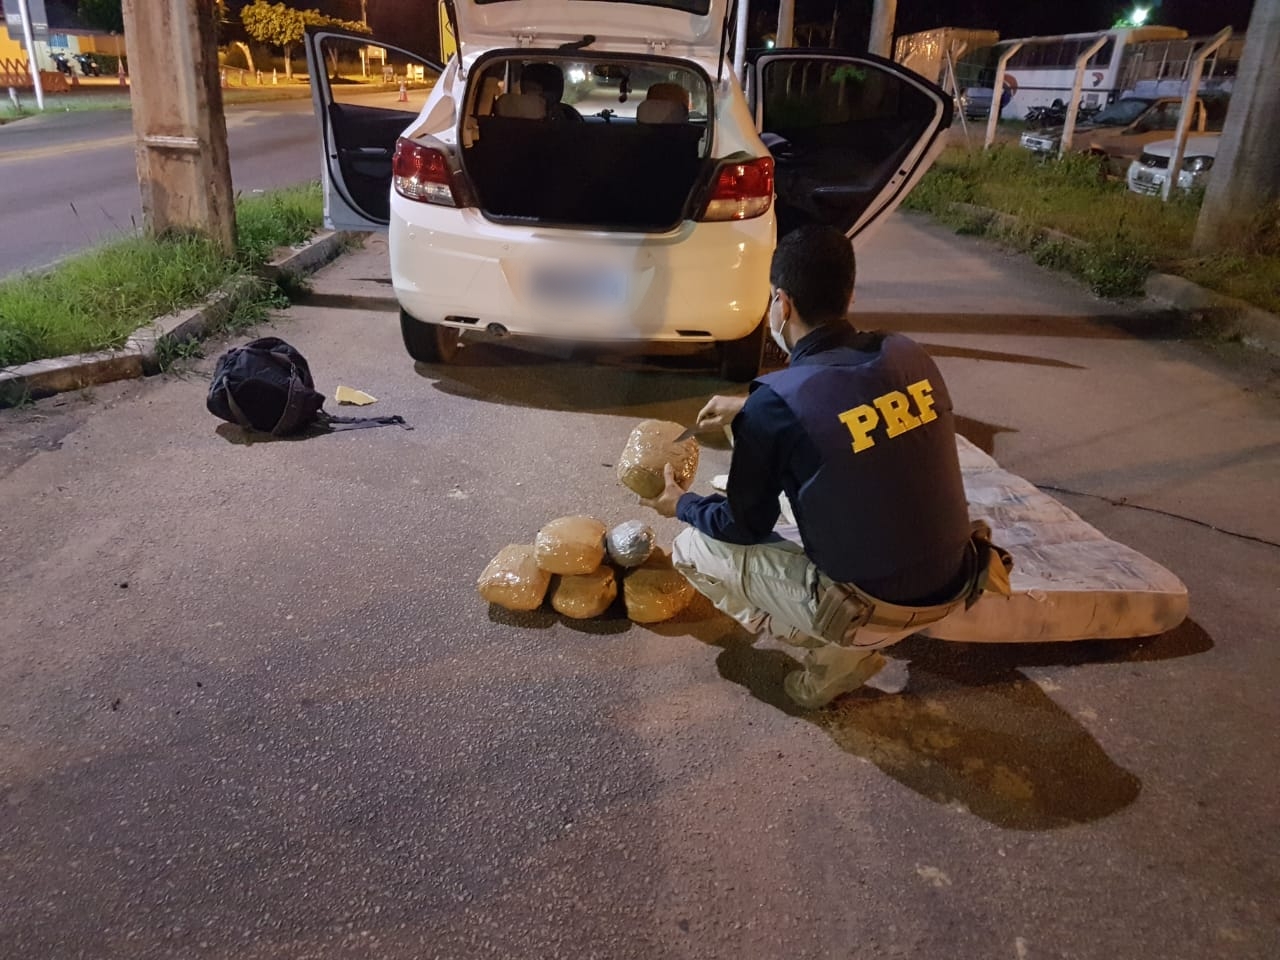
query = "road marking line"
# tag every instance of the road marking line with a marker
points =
(39, 153)
(79, 146)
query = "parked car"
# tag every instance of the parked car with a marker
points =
(641, 207)
(1120, 132)
(1148, 173)
(976, 103)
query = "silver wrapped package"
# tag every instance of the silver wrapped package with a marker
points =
(630, 543)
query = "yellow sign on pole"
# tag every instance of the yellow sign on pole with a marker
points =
(448, 42)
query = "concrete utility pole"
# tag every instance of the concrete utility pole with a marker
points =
(883, 15)
(183, 166)
(786, 35)
(1246, 174)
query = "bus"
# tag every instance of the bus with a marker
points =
(1043, 69)
(1160, 68)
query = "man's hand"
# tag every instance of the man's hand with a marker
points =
(665, 502)
(719, 413)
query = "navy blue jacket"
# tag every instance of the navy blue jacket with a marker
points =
(859, 433)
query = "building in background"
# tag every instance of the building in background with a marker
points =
(66, 34)
(936, 54)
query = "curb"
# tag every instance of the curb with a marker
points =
(140, 354)
(1226, 316)
(1012, 222)
(1214, 313)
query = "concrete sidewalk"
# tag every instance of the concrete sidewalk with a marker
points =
(253, 707)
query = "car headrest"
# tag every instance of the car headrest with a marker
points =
(668, 91)
(524, 106)
(661, 111)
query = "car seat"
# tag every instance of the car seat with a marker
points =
(664, 103)
(521, 106)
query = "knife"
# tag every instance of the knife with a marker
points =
(692, 431)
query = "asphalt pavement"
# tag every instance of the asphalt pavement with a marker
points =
(70, 180)
(253, 706)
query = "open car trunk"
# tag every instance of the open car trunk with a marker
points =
(625, 147)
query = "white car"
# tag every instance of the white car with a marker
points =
(1148, 173)
(642, 203)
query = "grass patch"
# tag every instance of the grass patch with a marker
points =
(95, 300)
(9, 113)
(1122, 236)
(275, 219)
(96, 99)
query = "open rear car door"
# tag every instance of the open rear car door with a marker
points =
(850, 135)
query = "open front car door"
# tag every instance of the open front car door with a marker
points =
(361, 118)
(850, 135)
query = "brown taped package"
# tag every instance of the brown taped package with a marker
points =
(651, 446)
(513, 579)
(655, 590)
(585, 595)
(571, 545)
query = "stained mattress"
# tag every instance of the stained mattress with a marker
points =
(1069, 581)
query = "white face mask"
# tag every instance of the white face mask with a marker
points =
(776, 333)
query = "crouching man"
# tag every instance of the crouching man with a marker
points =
(858, 433)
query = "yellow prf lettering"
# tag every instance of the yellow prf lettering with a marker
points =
(861, 420)
(896, 410)
(922, 392)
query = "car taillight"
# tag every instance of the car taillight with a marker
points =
(741, 191)
(422, 173)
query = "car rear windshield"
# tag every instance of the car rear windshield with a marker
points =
(597, 90)
(698, 8)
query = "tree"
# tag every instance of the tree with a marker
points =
(1242, 203)
(280, 26)
(102, 15)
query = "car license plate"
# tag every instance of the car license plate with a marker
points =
(585, 286)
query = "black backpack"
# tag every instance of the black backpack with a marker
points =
(266, 385)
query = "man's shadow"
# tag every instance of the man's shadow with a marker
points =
(969, 729)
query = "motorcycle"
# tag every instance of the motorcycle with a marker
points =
(1054, 115)
(88, 66)
(62, 63)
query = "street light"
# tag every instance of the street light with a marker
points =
(1139, 16)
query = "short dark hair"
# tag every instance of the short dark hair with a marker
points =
(815, 266)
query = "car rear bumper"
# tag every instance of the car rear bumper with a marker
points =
(701, 282)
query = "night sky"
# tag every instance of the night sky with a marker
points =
(412, 23)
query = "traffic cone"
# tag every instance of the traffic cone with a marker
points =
(404, 94)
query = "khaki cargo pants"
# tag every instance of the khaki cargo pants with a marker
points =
(773, 588)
